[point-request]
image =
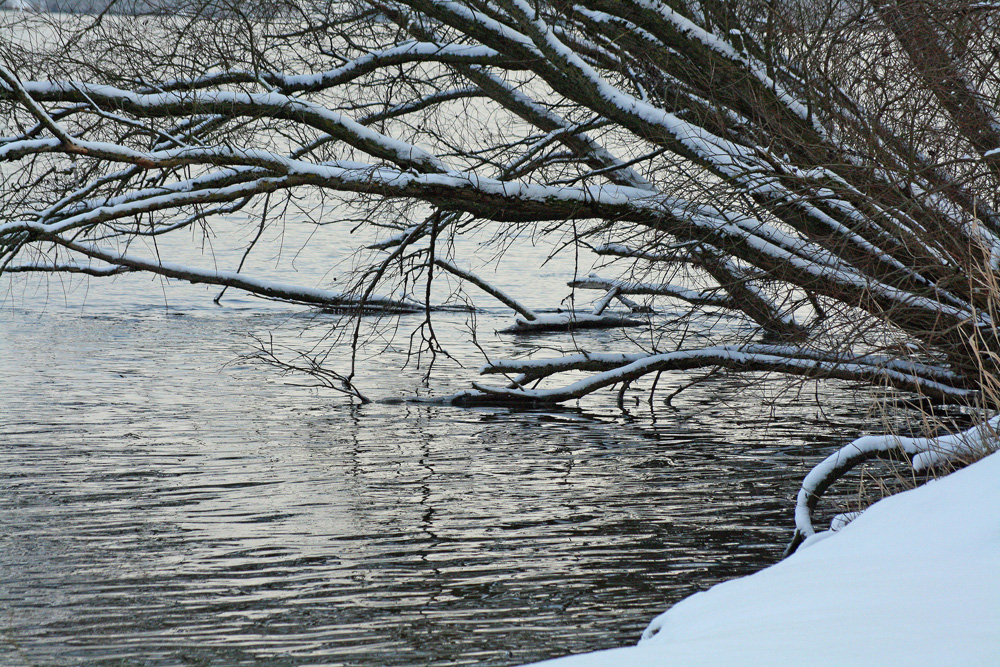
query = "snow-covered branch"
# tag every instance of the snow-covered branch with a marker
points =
(923, 453)
(696, 297)
(616, 368)
(492, 290)
(264, 288)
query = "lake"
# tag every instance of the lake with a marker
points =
(163, 502)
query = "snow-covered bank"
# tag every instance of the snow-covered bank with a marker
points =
(915, 580)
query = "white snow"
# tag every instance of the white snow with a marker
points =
(914, 580)
(663, 289)
(925, 452)
(255, 104)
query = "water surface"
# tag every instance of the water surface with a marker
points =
(164, 503)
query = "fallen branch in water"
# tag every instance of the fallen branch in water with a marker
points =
(530, 321)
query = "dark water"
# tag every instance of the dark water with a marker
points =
(158, 507)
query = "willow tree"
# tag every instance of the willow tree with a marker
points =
(825, 170)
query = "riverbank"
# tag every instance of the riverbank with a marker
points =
(912, 581)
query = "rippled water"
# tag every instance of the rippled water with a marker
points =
(162, 503)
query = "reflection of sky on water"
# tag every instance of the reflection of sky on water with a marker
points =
(158, 506)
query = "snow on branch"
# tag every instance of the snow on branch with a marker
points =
(68, 268)
(232, 104)
(406, 52)
(502, 200)
(530, 321)
(788, 257)
(683, 252)
(613, 369)
(571, 320)
(601, 304)
(512, 98)
(264, 288)
(696, 297)
(527, 313)
(923, 452)
(766, 177)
